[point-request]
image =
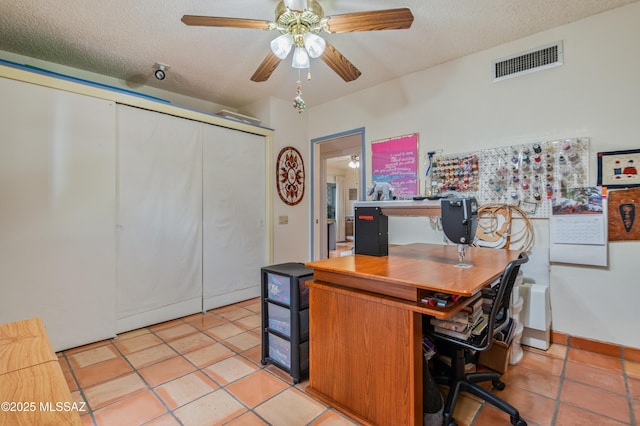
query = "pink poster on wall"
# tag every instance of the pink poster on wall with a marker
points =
(395, 161)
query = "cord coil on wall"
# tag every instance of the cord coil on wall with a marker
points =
(496, 227)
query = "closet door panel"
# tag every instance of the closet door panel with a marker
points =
(159, 260)
(234, 215)
(57, 220)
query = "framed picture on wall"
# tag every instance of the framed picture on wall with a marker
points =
(395, 163)
(624, 206)
(619, 169)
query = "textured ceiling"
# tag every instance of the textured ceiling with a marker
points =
(125, 38)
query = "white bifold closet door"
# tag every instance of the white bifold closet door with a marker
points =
(159, 216)
(57, 212)
(234, 215)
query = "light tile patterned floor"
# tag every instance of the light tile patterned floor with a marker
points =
(205, 369)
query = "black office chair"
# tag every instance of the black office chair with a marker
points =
(498, 319)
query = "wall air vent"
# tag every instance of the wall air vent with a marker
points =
(530, 61)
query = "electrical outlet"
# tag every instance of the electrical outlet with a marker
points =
(283, 220)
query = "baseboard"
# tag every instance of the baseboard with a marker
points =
(596, 346)
(156, 316)
(212, 302)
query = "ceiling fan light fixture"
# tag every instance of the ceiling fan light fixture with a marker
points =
(294, 19)
(299, 5)
(300, 58)
(314, 44)
(281, 46)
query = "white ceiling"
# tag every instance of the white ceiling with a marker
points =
(339, 162)
(125, 38)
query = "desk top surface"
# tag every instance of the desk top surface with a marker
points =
(41, 395)
(24, 344)
(425, 266)
(30, 376)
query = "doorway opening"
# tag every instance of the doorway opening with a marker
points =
(330, 169)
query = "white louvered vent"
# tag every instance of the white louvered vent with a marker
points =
(530, 61)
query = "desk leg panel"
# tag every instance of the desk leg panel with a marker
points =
(366, 357)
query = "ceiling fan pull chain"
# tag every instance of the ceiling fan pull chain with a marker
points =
(298, 102)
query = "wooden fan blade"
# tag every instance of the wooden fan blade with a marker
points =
(217, 21)
(373, 20)
(340, 64)
(266, 68)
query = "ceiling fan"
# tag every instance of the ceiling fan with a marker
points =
(300, 22)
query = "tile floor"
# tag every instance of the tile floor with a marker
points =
(205, 369)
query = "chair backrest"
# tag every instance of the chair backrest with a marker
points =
(499, 314)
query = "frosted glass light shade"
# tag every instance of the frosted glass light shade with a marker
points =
(300, 58)
(281, 46)
(296, 4)
(314, 44)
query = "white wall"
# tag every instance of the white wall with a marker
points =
(457, 107)
(58, 212)
(351, 181)
(291, 241)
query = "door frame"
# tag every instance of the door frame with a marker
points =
(328, 147)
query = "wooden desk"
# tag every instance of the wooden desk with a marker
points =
(31, 380)
(24, 344)
(365, 325)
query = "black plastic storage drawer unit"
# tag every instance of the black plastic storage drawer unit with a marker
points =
(285, 317)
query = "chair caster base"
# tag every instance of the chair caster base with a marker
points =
(499, 385)
(449, 421)
(518, 422)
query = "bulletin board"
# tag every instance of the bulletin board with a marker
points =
(528, 175)
(395, 161)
